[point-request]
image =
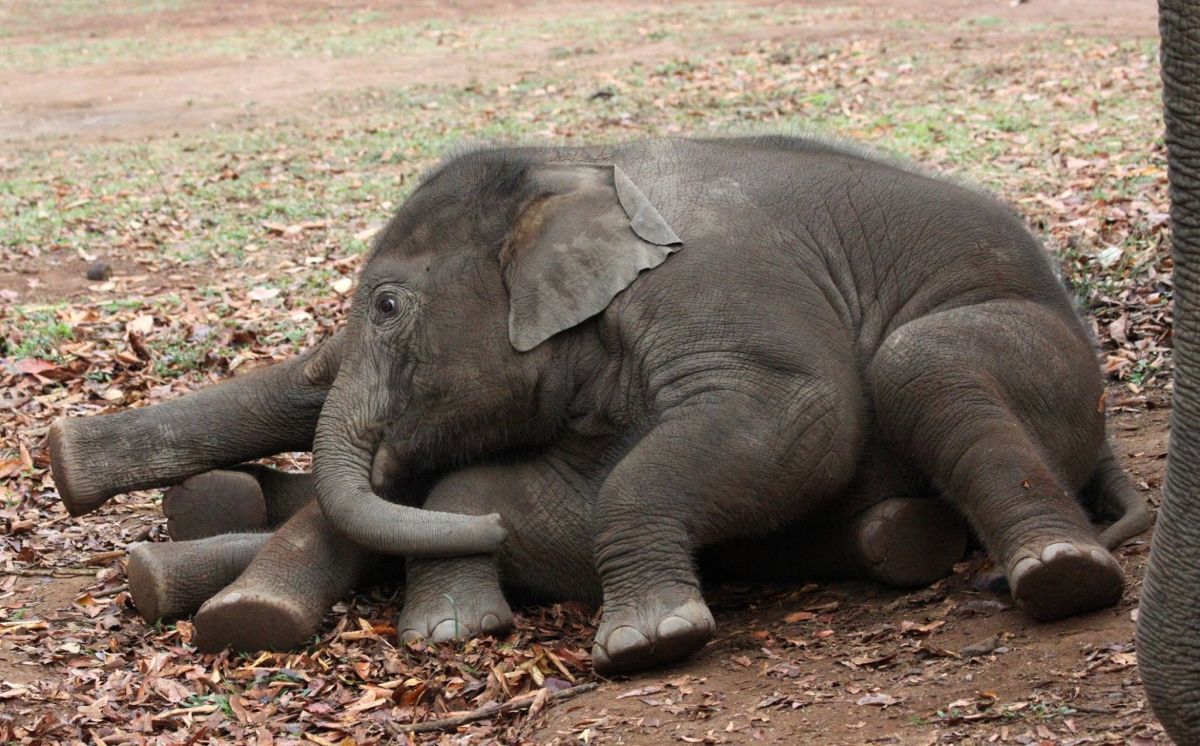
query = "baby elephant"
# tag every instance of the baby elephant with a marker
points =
(607, 358)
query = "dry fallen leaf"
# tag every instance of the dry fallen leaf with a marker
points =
(263, 293)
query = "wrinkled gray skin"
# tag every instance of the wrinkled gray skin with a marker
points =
(800, 378)
(1168, 639)
(805, 308)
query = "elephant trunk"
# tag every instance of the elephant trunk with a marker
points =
(264, 412)
(1168, 636)
(343, 455)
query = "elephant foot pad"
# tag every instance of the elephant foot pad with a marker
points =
(213, 503)
(1065, 579)
(621, 646)
(147, 574)
(910, 542)
(249, 621)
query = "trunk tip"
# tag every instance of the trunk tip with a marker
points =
(493, 531)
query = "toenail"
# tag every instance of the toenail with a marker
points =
(674, 625)
(624, 638)
(490, 621)
(1060, 549)
(1023, 567)
(600, 657)
(874, 542)
(446, 630)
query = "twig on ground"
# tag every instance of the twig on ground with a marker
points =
(103, 558)
(111, 591)
(1093, 710)
(51, 572)
(490, 709)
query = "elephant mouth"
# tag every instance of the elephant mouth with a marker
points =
(387, 469)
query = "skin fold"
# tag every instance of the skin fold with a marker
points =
(618, 362)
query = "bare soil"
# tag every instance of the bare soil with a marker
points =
(856, 663)
(159, 98)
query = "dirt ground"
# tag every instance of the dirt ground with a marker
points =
(831, 663)
(161, 97)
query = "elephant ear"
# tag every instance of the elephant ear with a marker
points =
(584, 238)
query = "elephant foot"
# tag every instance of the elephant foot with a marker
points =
(910, 542)
(279, 601)
(446, 617)
(253, 619)
(660, 632)
(73, 474)
(213, 503)
(172, 580)
(1065, 578)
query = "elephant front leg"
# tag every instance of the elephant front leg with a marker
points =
(262, 413)
(453, 598)
(214, 520)
(547, 557)
(169, 581)
(725, 466)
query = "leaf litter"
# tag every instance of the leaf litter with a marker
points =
(173, 315)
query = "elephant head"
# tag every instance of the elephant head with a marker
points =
(468, 333)
(1168, 639)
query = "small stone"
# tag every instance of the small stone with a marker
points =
(983, 647)
(99, 272)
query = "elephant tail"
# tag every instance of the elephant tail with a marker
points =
(1111, 496)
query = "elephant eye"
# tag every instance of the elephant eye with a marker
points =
(386, 305)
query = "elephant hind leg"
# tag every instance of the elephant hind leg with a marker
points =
(909, 542)
(997, 404)
(899, 533)
(279, 601)
(172, 580)
(249, 497)
(901, 541)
